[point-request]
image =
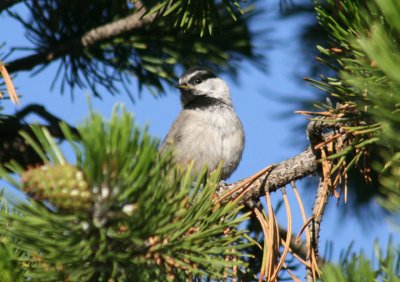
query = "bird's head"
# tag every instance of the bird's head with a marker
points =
(199, 84)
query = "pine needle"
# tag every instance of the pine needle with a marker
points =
(10, 86)
(264, 227)
(273, 247)
(304, 227)
(331, 139)
(245, 183)
(292, 275)
(288, 235)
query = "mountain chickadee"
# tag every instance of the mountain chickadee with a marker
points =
(207, 130)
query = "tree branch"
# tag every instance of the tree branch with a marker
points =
(315, 135)
(281, 174)
(90, 38)
(5, 4)
(321, 199)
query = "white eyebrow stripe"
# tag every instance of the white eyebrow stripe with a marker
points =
(187, 77)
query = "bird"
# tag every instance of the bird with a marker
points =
(207, 131)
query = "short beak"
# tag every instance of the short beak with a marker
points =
(182, 86)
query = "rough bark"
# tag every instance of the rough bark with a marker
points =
(321, 199)
(315, 133)
(281, 174)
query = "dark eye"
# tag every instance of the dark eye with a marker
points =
(197, 81)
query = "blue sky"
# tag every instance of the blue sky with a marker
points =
(269, 137)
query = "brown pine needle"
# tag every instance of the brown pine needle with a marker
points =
(326, 169)
(10, 86)
(277, 240)
(273, 246)
(235, 269)
(331, 139)
(315, 267)
(337, 182)
(321, 205)
(305, 226)
(288, 235)
(292, 275)
(308, 113)
(296, 256)
(302, 212)
(264, 226)
(247, 182)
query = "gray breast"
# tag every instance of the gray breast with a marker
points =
(207, 138)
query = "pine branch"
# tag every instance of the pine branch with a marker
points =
(5, 4)
(90, 38)
(321, 199)
(144, 230)
(278, 176)
(315, 135)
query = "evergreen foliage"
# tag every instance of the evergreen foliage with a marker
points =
(357, 267)
(146, 220)
(364, 52)
(122, 212)
(149, 53)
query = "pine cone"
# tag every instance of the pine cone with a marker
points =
(64, 186)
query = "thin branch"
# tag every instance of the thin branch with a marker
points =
(315, 135)
(321, 200)
(90, 38)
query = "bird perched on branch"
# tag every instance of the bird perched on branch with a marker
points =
(207, 130)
